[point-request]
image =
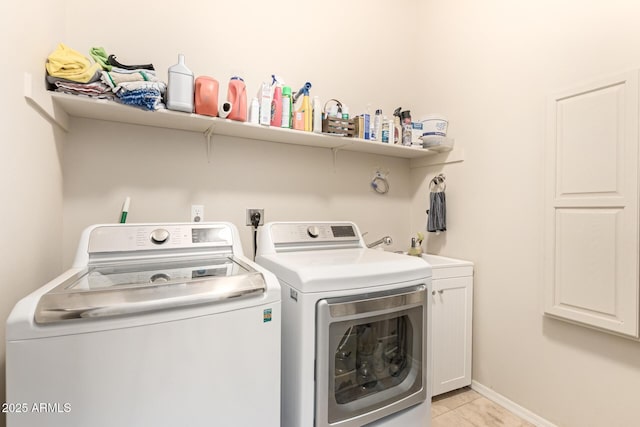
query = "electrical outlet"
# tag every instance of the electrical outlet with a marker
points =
(250, 212)
(197, 213)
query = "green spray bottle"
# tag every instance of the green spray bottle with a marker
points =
(287, 106)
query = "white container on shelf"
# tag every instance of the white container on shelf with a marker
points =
(434, 125)
(437, 143)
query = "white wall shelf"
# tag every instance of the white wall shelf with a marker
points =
(65, 105)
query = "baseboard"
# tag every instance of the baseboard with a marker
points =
(523, 413)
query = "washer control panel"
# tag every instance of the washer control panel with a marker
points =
(135, 237)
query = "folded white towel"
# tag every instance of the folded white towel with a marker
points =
(114, 79)
(129, 86)
(125, 71)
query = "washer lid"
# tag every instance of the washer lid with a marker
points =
(341, 269)
(124, 288)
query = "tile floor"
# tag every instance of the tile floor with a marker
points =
(467, 408)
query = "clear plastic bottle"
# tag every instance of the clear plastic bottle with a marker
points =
(344, 116)
(377, 126)
(345, 112)
(379, 364)
(407, 131)
(397, 125)
(384, 135)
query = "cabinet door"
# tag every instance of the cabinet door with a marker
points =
(452, 301)
(591, 204)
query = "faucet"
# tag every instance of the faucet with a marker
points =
(387, 240)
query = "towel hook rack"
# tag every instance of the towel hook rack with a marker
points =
(438, 183)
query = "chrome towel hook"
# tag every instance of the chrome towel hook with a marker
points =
(438, 184)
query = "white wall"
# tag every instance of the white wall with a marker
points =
(165, 172)
(488, 66)
(333, 44)
(30, 170)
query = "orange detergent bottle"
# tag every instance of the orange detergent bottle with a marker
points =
(237, 96)
(206, 100)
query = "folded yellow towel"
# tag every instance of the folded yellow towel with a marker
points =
(70, 64)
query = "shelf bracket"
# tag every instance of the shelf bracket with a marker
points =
(334, 151)
(43, 104)
(208, 134)
(454, 156)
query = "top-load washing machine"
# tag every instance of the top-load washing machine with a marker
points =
(355, 327)
(155, 325)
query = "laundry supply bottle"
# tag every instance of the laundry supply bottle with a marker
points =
(180, 87)
(368, 123)
(384, 134)
(237, 97)
(302, 116)
(254, 112)
(377, 126)
(344, 114)
(286, 107)
(333, 112)
(264, 97)
(298, 119)
(407, 131)
(397, 126)
(317, 115)
(206, 99)
(415, 249)
(276, 102)
(308, 112)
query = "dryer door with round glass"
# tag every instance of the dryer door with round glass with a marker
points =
(370, 356)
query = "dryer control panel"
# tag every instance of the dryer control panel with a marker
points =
(317, 233)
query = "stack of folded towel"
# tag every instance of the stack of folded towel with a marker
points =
(70, 72)
(138, 87)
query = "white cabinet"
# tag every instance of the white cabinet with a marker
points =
(451, 323)
(591, 209)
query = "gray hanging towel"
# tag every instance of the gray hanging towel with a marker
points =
(437, 219)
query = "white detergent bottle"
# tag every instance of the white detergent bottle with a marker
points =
(180, 87)
(254, 112)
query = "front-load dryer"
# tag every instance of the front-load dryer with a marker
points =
(355, 327)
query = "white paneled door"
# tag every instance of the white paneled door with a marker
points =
(591, 205)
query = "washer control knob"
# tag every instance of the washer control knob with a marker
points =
(159, 236)
(159, 278)
(313, 231)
